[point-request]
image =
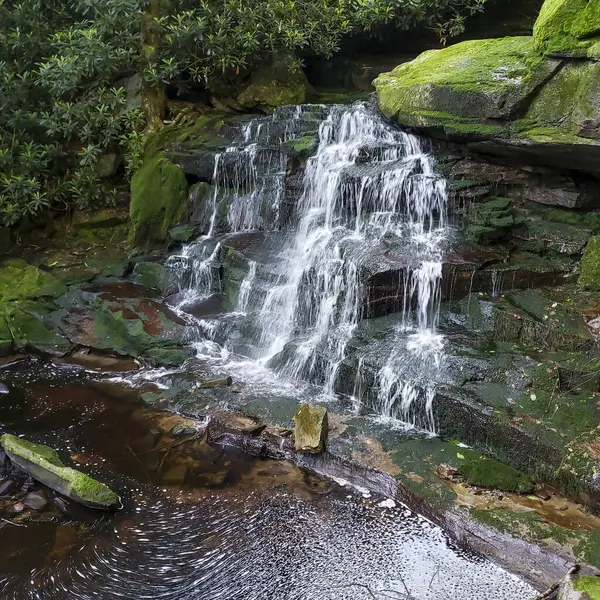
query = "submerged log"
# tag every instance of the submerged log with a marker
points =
(44, 464)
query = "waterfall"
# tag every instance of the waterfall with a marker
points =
(368, 187)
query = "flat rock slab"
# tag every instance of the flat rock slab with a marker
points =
(44, 464)
(310, 432)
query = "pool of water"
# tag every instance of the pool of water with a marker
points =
(205, 522)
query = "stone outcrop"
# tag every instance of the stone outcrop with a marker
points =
(44, 464)
(522, 98)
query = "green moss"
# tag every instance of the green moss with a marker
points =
(568, 28)
(590, 265)
(588, 548)
(25, 322)
(44, 464)
(20, 280)
(476, 79)
(279, 83)
(490, 473)
(588, 585)
(561, 107)
(168, 357)
(149, 274)
(305, 145)
(182, 233)
(35, 453)
(90, 491)
(158, 197)
(489, 221)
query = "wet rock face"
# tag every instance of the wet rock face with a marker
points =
(44, 464)
(310, 432)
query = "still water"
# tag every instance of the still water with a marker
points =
(204, 522)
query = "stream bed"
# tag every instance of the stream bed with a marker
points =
(224, 526)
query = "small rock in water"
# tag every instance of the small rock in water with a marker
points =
(19, 507)
(60, 504)
(3, 389)
(216, 382)
(176, 475)
(36, 500)
(310, 432)
(182, 430)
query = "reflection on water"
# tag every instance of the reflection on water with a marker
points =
(226, 526)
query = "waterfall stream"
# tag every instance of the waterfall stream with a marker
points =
(369, 191)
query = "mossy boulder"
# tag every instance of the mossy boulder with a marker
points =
(276, 84)
(26, 325)
(490, 473)
(150, 274)
(182, 233)
(569, 28)
(22, 281)
(590, 265)
(476, 79)
(310, 432)
(44, 464)
(489, 221)
(26, 295)
(158, 198)
(503, 97)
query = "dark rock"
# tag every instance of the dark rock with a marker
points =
(6, 487)
(3, 389)
(36, 500)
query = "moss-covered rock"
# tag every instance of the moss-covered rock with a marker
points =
(590, 265)
(168, 357)
(277, 84)
(590, 586)
(489, 221)
(569, 28)
(152, 275)
(22, 281)
(486, 472)
(477, 79)
(44, 464)
(158, 198)
(182, 233)
(25, 323)
(310, 432)
(503, 96)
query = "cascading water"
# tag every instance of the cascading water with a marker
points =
(368, 187)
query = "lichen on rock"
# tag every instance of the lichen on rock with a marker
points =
(310, 433)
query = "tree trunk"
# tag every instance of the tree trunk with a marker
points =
(154, 100)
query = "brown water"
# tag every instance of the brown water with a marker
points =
(205, 522)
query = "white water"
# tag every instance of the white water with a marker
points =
(368, 185)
